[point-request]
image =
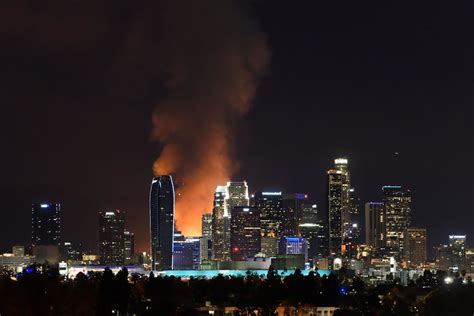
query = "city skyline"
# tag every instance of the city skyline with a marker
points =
(395, 98)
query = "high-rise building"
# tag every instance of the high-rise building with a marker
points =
(206, 230)
(312, 229)
(270, 206)
(375, 224)
(206, 238)
(245, 237)
(162, 202)
(218, 225)
(46, 224)
(415, 246)
(237, 194)
(129, 246)
(292, 212)
(443, 257)
(186, 253)
(457, 245)
(111, 237)
(234, 194)
(339, 205)
(397, 204)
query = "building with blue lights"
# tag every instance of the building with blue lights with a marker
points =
(46, 224)
(162, 203)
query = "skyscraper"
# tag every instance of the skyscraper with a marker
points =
(111, 237)
(206, 228)
(292, 212)
(397, 203)
(270, 206)
(312, 229)
(206, 238)
(46, 224)
(226, 197)
(457, 245)
(129, 246)
(339, 206)
(237, 195)
(218, 226)
(294, 246)
(245, 237)
(162, 201)
(375, 224)
(415, 246)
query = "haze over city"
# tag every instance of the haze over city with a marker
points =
(79, 102)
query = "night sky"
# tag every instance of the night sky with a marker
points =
(362, 79)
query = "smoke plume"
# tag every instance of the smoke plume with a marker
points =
(213, 55)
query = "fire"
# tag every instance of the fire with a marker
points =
(212, 74)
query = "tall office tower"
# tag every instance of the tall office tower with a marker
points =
(375, 224)
(206, 230)
(443, 257)
(46, 224)
(294, 246)
(218, 225)
(292, 212)
(111, 237)
(457, 245)
(339, 206)
(226, 197)
(415, 246)
(245, 237)
(270, 206)
(312, 230)
(237, 194)
(162, 201)
(397, 203)
(206, 238)
(128, 246)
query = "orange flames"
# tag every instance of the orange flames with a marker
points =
(212, 73)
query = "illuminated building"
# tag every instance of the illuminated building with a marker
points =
(206, 230)
(375, 224)
(129, 246)
(397, 203)
(269, 246)
(162, 203)
(237, 195)
(339, 206)
(111, 237)
(206, 239)
(72, 251)
(218, 225)
(443, 257)
(234, 194)
(457, 244)
(470, 259)
(313, 230)
(292, 212)
(271, 211)
(245, 237)
(415, 246)
(18, 251)
(294, 246)
(46, 224)
(186, 253)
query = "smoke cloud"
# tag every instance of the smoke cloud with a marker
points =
(213, 55)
